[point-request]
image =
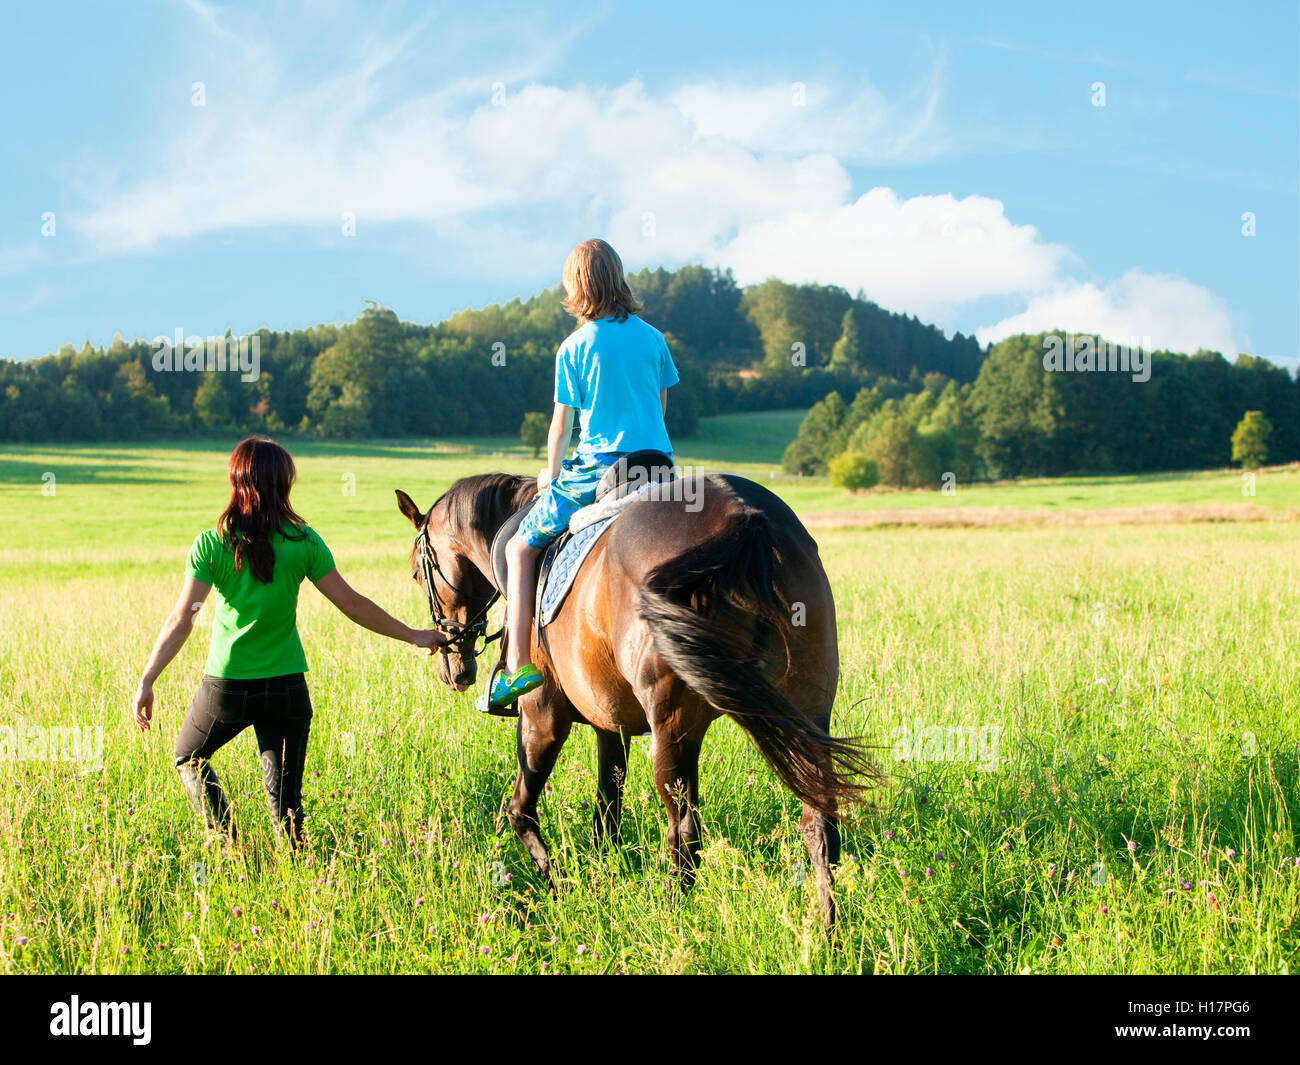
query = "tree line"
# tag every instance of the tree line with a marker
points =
(480, 371)
(1020, 418)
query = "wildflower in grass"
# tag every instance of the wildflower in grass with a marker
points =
(1186, 885)
(1051, 869)
(257, 930)
(237, 911)
(889, 833)
(1132, 846)
(420, 901)
(928, 871)
(1105, 909)
(1006, 846)
(21, 941)
(483, 950)
(1230, 853)
(483, 918)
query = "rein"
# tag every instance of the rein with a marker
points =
(472, 630)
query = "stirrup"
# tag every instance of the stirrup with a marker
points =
(483, 703)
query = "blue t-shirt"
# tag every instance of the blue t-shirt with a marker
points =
(612, 372)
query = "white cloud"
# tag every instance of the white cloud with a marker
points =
(860, 127)
(1175, 313)
(924, 255)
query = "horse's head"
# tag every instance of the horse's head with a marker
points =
(458, 593)
(451, 541)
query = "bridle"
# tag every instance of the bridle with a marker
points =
(462, 631)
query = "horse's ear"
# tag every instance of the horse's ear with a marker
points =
(407, 506)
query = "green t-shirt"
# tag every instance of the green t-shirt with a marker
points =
(255, 630)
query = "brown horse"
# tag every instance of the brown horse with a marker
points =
(686, 609)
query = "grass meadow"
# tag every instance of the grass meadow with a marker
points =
(1134, 809)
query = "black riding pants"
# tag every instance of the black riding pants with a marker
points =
(279, 709)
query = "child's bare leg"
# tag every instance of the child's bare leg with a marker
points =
(521, 589)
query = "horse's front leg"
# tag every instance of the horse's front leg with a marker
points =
(611, 755)
(543, 728)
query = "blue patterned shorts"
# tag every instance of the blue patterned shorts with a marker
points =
(573, 489)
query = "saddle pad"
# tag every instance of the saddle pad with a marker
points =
(567, 559)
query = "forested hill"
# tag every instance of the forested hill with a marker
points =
(767, 346)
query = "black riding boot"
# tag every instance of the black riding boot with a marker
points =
(206, 796)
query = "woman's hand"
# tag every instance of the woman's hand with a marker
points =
(543, 479)
(142, 706)
(430, 638)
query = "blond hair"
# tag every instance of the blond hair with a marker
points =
(593, 278)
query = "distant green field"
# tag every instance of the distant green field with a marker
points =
(752, 440)
(756, 441)
(1274, 489)
(1134, 808)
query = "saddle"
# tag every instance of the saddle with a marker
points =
(631, 473)
(619, 486)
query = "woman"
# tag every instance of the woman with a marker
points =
(616, 370)
(256, 557)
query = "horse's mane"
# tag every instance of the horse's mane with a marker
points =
(481, 503)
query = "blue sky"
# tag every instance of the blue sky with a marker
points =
(950, 160)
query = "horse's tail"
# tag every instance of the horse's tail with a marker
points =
(715, 615)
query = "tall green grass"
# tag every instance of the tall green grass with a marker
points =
(1140, 818)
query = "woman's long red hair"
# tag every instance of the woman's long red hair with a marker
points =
(261, 475)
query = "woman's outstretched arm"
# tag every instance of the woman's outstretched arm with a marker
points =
(369, 614)
(171, 638)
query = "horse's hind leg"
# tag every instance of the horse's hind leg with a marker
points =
(821, 833)
(611, 752)
(540, 735)
(677, 778)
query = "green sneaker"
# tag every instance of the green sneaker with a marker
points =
(507, 687)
